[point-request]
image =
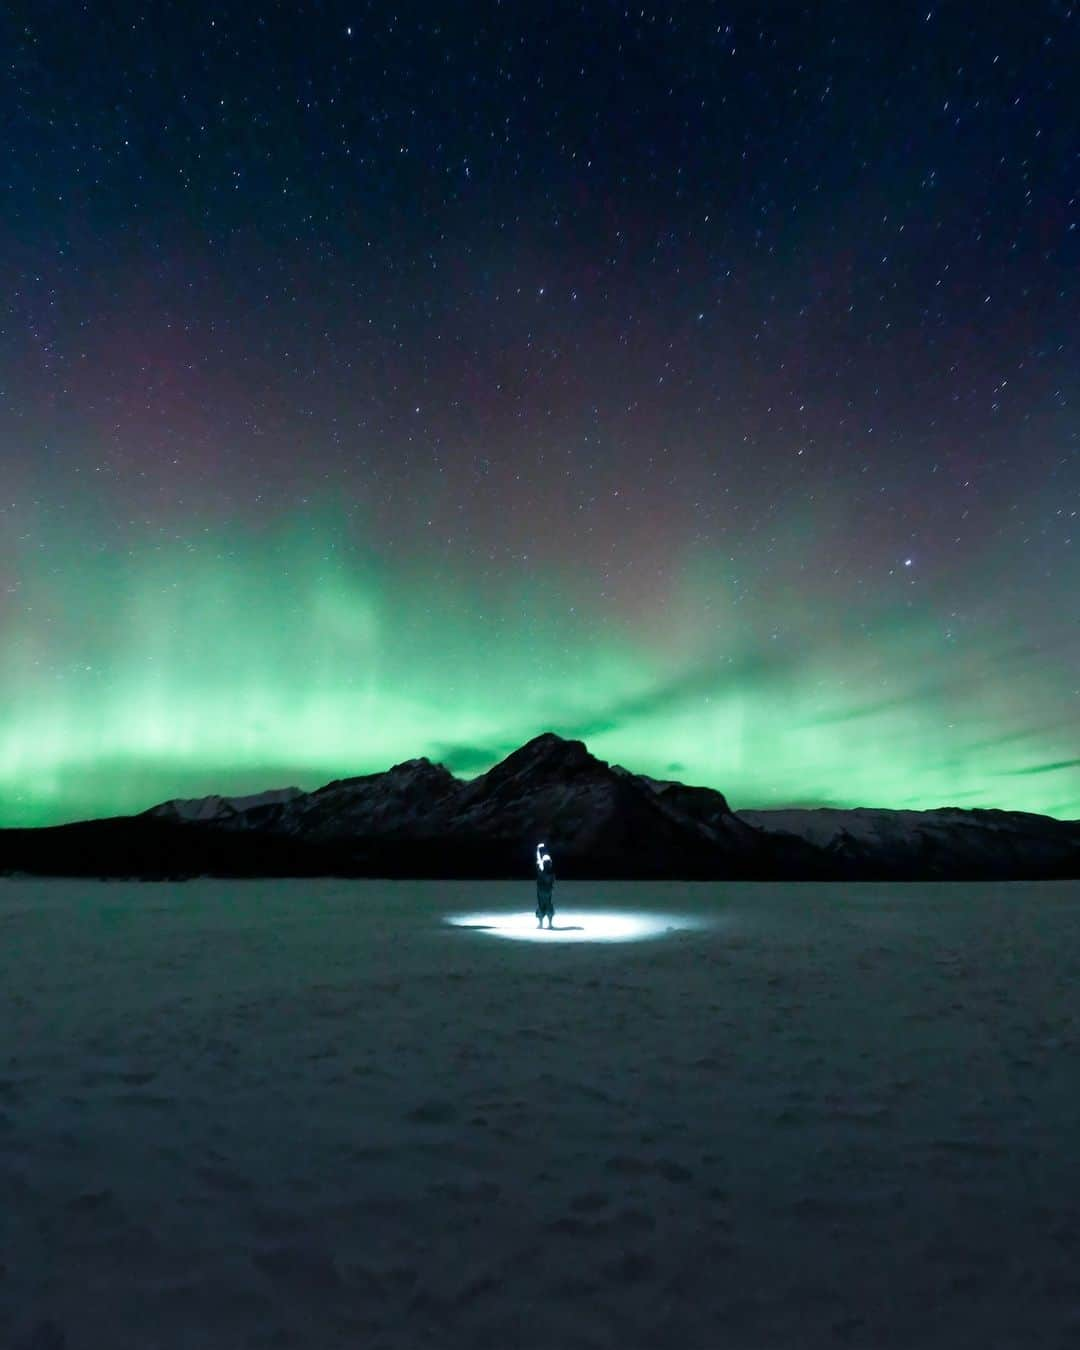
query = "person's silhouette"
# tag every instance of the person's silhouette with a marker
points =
(545, 883)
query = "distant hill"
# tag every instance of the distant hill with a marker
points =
(598, 820)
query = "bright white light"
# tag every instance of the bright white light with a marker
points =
(577, 925)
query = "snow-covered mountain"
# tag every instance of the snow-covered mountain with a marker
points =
(591, 814)
(220, 809)
(373, 804)
(387, 805)
(597, 819)
(935, 843)
(603, 819)
(550, 789)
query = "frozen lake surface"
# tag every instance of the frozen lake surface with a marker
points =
(319, 1114)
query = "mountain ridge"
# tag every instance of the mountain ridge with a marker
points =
(599, 820)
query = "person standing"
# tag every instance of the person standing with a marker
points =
(545, 884)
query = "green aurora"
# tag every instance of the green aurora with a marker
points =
(291, 654)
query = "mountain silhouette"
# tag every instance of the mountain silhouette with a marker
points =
(599, 820)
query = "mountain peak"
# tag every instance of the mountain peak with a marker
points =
(547, 738)
(549, 751)
(421, 764)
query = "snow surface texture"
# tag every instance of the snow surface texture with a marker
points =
(318, 1115)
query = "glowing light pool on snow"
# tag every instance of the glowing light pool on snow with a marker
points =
(577, 925)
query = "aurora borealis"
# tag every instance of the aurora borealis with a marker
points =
(698, 382)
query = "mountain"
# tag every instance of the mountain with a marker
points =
(937, 844)
(220, 809)
(598, 820)
(376, 804)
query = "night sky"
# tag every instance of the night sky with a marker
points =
(391, 380)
